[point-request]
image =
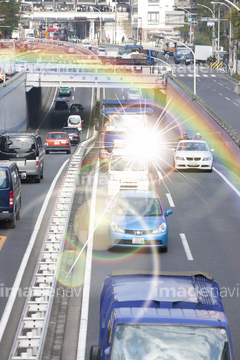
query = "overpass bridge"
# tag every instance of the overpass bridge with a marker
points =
(95, 76)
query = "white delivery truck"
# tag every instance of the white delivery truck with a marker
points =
(202, 53)
(126, 172)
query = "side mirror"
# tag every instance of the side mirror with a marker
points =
(168, 212)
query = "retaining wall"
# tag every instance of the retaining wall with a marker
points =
(13, 105)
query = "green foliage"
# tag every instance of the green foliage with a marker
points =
(235, 20)
(236, 76)
(11, 10)
(200, 39)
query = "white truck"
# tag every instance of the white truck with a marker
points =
(126, 172)
(27, 33)
(202, 52)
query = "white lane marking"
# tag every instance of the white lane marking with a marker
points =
(74, 88)
(73, 97)
(214, 90)
(170, 200)
(213, 76)
(87, 136)
(220, 94)
(235, 104)
(227, 98)
(186, 247)
(227, 181)
(21, 270)
(228, 88)
(87, 278)
(205, 75)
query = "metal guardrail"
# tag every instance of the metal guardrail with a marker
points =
(32, 329)
(218, 119)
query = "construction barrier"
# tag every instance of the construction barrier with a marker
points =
(216, 65)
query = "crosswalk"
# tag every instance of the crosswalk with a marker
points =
(192, 75)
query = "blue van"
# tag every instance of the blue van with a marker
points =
(10, 193)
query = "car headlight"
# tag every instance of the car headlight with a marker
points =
(162, 228)
(45, 144)
(207, 158)
(179, 158)
(114, 227)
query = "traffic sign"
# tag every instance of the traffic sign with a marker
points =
(46, 33)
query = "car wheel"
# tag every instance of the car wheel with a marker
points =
(12, 223)
(210, 170)
(163, 249)
(18, 215)
(68, 151)
(41, 175)
(95, 352)
(46, 151)
(37, 179)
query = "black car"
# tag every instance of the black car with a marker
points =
(76, 109)
(61, 104)
(73, 134)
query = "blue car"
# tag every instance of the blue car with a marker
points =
(138, 220)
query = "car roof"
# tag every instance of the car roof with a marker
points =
(137, 194)
(193, 140)
(77, 117)
(55, 132)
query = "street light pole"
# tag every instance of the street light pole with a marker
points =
(100, 30)
(189, 23)
(213, 26)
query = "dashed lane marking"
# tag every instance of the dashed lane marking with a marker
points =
(170, 200)
(186, 247)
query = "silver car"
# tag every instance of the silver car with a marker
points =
(27, 150)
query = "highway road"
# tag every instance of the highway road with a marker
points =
(203, 232)
(15, 242)
(215, 88)
(203, 235)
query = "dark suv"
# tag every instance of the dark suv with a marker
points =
(61, 104)
(27, 150)
(10, 193)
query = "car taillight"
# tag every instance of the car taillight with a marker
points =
(76, 137)
(37, 163)
(11, 199)
(67, 143)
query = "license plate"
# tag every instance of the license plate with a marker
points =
(192, 163)
(56, 142)
(138, 240)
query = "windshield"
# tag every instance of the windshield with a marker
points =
(158, 342)
(127, 163)
(74, 121)
(57, 136)
(192, 146)
(4, 182)
(18, 144)
(138, 207)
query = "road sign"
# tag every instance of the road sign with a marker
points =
(46, 33)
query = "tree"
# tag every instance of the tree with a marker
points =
(12, 11)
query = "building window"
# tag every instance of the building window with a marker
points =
(153, 18)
